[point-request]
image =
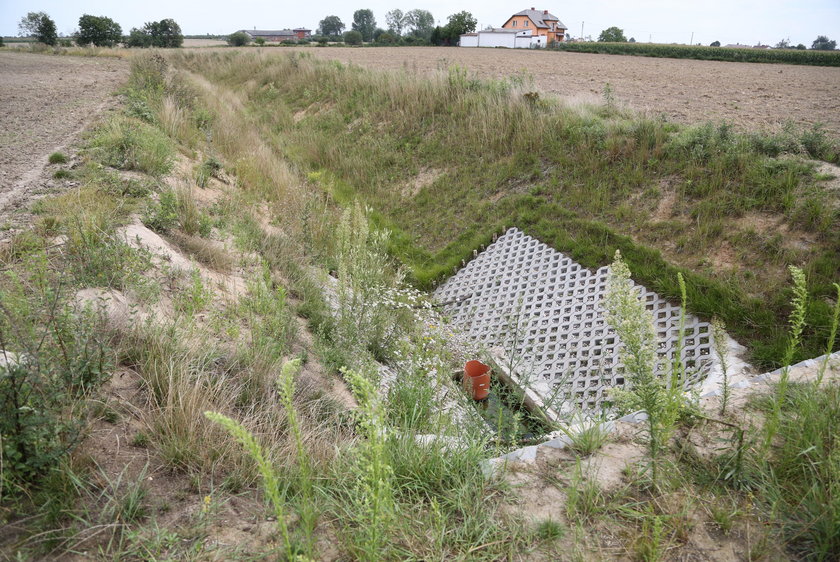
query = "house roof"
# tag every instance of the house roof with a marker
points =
(269, 32)
(540, 18)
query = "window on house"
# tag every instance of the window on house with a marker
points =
(514, 23)
(526, 23)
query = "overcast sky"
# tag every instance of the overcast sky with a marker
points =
(728, 21)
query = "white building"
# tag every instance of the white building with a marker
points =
(509, 38)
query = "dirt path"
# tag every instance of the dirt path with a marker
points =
(46, 102)
(749, 95)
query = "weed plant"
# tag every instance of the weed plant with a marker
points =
(52, 353)
(364, 321)
(306, 502)
(633, 323)
(375, 509)
(271, 483)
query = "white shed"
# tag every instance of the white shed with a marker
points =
(509, 38)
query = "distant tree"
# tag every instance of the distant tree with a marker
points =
(353, 37)
(260, 41)
(1, 42)
(823, 43)
(800, 47)
(238, 39)
(420, 23)
(460, 23)
(138, 38)
(40, 26)
(714, 44)
(99, 31)
(331, 25)
(395, 19)
(364, 23)
(164, 34)
(632, 40)
(783, 44)
(612, 35)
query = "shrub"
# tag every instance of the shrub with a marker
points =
(52, 352)
(353, 38)
(259, 41)
(239, 39)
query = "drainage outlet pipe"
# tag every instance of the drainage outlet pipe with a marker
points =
(476, 380)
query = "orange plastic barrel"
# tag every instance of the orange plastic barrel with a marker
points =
(477, 380)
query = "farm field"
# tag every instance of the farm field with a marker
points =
(47, 101)
(748, 95)
(204, 43)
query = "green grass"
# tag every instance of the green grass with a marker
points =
(130, 144)
(778, 56)
(57, 158)
(802, 475)
(584, 180)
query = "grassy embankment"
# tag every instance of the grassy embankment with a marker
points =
(447, 162)
(779, 56)
(103, 392)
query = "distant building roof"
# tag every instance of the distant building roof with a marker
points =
(541, 18)
(505, 30)
(269, 32)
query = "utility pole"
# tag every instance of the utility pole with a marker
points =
(692, 38)
(581, 31)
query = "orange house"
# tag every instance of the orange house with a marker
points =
(540, 21)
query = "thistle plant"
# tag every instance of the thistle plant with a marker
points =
(271, 483)
(376, 497)
(796, 321)
(286, 388)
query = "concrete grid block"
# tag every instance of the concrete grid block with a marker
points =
(545, 310)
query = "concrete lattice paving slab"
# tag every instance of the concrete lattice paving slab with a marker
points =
(544, 310)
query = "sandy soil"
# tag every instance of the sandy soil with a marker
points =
(46, 102)
(749, 95)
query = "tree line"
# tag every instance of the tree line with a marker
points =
(821, 43)
(101, 31)
(403, 28)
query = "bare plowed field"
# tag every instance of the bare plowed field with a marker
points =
(46, 102)
(750, 96)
